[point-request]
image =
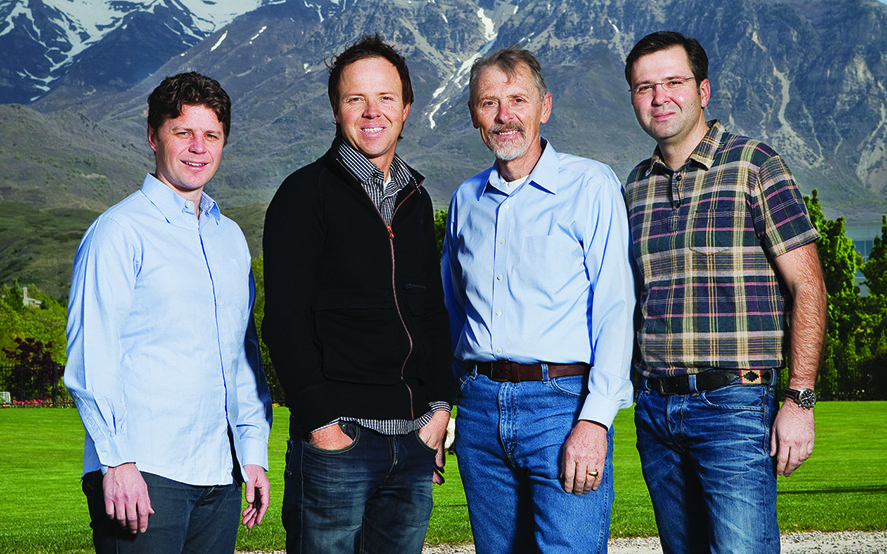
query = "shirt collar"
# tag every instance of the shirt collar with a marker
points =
(368, 173)
(173, 206)
(704, 153)
(544, 174)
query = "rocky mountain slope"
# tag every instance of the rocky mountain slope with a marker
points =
(809, 77)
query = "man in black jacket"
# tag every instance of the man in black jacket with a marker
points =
(356, 325)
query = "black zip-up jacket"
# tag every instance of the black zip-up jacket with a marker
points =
(354, 314)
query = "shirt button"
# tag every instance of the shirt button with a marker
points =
(505, 206)
(501, 241)
(498, 351)
(499, 277)
(499, 313)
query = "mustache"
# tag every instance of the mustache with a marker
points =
(499, 127)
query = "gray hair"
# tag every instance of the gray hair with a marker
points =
(508, 60)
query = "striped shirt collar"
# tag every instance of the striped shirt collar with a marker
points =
(369, 174)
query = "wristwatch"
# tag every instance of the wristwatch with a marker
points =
(804, 398)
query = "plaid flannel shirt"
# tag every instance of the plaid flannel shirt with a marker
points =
(704, 238)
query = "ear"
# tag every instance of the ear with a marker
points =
(473, 116)
(546, 108)
(406, 111)
(705, 92)
(152, 138)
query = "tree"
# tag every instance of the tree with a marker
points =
(45, 323)
(855, 350)
(838, 256)
(440, 228)
(875, 269)
(277, 393)
(34, 375)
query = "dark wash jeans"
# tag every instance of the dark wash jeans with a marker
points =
(187, 519)
(374, 496)
(706, 461)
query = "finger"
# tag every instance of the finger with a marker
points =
(249, 517)
(595, 480)
(782, 460)
(264, 502)
(110, 510)
(250, 491)
(569, 476)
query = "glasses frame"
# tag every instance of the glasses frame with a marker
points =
(668, 84)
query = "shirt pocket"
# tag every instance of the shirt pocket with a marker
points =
(714, 231)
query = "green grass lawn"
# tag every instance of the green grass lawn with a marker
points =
(842, 486)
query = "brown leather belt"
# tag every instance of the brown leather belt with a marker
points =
(515, 373)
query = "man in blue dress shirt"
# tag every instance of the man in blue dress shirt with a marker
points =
(540, 295)
(163, 360)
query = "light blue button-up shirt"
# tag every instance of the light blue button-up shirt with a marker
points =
(543, 274)
(160, 359)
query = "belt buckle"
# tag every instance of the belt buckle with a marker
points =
(501, 372)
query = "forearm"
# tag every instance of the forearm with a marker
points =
(808, 318)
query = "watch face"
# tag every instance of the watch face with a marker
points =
(806, 398)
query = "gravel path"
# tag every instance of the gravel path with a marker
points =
(847, 542)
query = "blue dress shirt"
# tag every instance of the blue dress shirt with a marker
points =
(543, 274)
(162, 353)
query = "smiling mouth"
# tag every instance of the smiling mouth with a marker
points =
(195, 164)
(373, 129)
(507, 132)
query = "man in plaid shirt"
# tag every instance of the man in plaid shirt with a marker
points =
(730, 291)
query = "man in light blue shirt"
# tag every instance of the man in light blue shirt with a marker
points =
(541, 298)
(163, 359)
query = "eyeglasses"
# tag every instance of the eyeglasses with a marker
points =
(647, 89)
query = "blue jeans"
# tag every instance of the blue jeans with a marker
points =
(706, 461)
(187, 518)
(508, 443)
(374, 496)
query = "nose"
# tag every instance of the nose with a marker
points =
(504, 114)
(198, 143)
(371, 110)
(660, 95)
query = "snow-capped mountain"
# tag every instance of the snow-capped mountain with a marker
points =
(43, 40)
(807, 76)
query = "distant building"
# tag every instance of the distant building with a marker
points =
(29, 302)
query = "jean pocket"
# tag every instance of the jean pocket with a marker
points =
(465, 379)
(424, 444)
(349, 428)
(737, 398)
(572, 386)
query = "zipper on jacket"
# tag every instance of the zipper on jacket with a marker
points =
(393, 276)
(396, 303)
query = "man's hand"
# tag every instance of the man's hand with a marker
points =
(330, 438)
(126, 497)
(583, 458)
(434, 434)
(791, 438)
(257, 491)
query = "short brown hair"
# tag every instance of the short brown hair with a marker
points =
(368, 46)
(188, 89)
(663, 40)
